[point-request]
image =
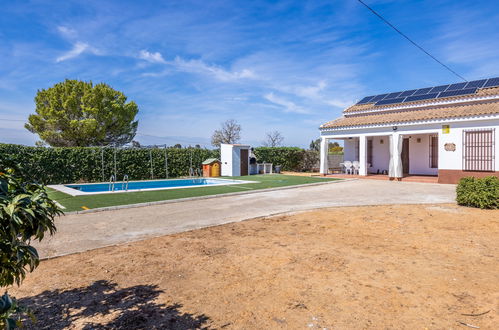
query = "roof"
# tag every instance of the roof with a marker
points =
(210, 161)
(484, 101)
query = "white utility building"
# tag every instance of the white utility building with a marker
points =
(235, 159)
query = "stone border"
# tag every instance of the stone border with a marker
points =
(178, 200)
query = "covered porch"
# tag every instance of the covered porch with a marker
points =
(409, 156)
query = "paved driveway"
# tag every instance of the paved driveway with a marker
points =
(81, 232)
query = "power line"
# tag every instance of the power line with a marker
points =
(411, 41)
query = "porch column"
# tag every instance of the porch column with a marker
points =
(363, 155)
(395, 168)
(324, 152)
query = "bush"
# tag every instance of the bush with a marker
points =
(26, 215)
(310, 161)
(475, 192)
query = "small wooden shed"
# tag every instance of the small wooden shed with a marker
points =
(211, 167)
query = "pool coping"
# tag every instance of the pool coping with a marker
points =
(75, 192)
(185, 199)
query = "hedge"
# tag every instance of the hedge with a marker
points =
(82, 164)
(290, 158)
(475, 192)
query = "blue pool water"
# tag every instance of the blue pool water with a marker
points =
(157, 184)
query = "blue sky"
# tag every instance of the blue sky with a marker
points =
(271, 65)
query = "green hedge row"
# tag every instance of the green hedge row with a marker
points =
(475, 192)
(290, 158)
(77, 164)
(80, 164)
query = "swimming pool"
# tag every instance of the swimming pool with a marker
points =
(106, 188)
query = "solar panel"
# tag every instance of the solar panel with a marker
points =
(455, 87)
(378, 98)
(391, 101)
(463, 88)
(366, 99)
(408, 93)
(459, 92)
(392, 95)
(476, 83)
(439, 88)
(421, 97)
(422, 91)
(492, 82)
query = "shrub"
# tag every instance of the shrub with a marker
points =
(310, 160)
(26, 214)
(482, 193)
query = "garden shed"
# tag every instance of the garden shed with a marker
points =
(235, 159)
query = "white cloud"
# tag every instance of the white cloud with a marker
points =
(79, 47)
(289, 106)
(66, 32)
(77, 50)
(198, 66)
(151, 57)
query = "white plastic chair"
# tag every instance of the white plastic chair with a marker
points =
(348, 166)
(356, 167)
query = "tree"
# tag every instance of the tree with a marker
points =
(79, 113)
(26, 214)
(315, 145)
(229, 133)
(178, 146)
(273, 139)
(136, 144)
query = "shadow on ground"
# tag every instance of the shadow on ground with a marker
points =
(106, 306)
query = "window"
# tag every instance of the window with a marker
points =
(478, 150)
(433, 151)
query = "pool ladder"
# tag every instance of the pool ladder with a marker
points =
(124, 184)
(195, 172)
(112, 181)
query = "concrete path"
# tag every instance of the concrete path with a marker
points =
(81, 232)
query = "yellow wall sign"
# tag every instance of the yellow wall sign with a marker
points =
(445, 129)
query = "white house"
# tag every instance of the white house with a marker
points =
(449, 131)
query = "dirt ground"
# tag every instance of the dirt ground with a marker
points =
(382, 267)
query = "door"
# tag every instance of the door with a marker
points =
(244, 161)
(405, 156)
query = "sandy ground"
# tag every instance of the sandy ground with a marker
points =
(381, 267)
(82, 232)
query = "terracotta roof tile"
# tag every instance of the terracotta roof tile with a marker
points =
(418, 114)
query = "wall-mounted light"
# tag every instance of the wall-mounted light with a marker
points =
(381, 141)
(418, 140)
(395, 128)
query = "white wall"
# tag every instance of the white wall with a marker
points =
(226, 157)
(419, 155)
(381, 154)
(450, 160)
(453, 160)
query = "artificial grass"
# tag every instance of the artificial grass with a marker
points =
(78, 203)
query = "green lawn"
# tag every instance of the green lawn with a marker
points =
(78, 203)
